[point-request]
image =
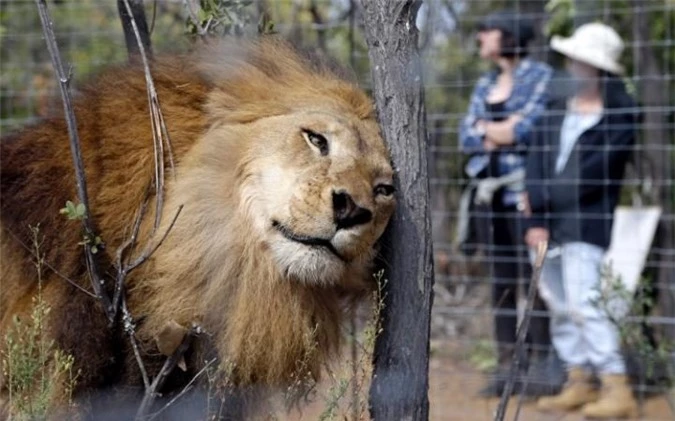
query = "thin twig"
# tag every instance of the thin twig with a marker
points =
(170, 364)
(354, 364)
(185, 389)
(151, 249)
(64, 84)
(123, 270)
(318, 24)
(129, 244)
(49, 266)
(154, 17)
(130, 329)
(522, 331)
(160, 135)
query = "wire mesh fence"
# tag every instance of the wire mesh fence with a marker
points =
(480, 282)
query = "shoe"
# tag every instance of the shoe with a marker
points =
(578, 391)
(616, 400)
(545, 376)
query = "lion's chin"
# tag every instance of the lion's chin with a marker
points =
(310, 264)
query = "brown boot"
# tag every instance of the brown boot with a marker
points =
(616, 399)
(578, 391)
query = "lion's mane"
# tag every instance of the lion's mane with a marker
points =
(211, 269)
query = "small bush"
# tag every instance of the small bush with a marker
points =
(36, 374)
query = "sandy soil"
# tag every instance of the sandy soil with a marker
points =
(453, 396)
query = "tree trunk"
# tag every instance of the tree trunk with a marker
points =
(138, 12)
(535, 11)
(400, 379)
(652, 92)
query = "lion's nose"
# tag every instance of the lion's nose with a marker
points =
(347, 213)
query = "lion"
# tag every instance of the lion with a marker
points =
(282, 186)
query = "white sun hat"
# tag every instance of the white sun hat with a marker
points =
(593, 43)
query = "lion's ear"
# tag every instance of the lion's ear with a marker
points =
(170, 338)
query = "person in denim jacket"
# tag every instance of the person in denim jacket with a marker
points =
(505, 104)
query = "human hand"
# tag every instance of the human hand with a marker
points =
(536, 235)
(442, 261)
(514, 119)
(502, 132)
(489, 145)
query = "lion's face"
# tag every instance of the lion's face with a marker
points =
(325, 182)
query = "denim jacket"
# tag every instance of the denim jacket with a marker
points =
(528, 99)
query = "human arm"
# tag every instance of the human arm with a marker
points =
(535, 198)
(517, 127)
(501, 133)
(471, 134)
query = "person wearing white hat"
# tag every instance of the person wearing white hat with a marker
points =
(574, 170)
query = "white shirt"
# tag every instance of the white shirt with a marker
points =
(573, 126)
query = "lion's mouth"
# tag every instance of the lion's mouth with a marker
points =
(307, 240)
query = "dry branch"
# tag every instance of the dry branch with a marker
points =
(522, 332)
(160, 135)
(130, 330)
(185, 389)
(170, 364)
(161, 139)
(64, 79)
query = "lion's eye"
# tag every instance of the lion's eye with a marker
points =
(384, 190)
(317, 140)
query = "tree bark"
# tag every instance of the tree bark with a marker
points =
(138, 12)
(535, 11)
(400, 378)
(652, 93)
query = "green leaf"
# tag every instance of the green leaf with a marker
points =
(80, 210)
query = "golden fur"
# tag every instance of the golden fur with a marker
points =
(251, 180)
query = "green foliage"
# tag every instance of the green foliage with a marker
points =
(34, 368)
(218, 17)
(619, 303)
(78, 213)
(561, 17)
(88, 38)
(336, 393)
(483, 355)
(356, 373)
(36, 372)
(93, 241)
(73, 211)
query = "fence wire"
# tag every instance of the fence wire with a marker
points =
(463, 347)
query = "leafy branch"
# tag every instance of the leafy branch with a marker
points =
(64, 79)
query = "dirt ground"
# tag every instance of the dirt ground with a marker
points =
(453, 395)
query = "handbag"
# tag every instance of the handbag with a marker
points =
(633, 231)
